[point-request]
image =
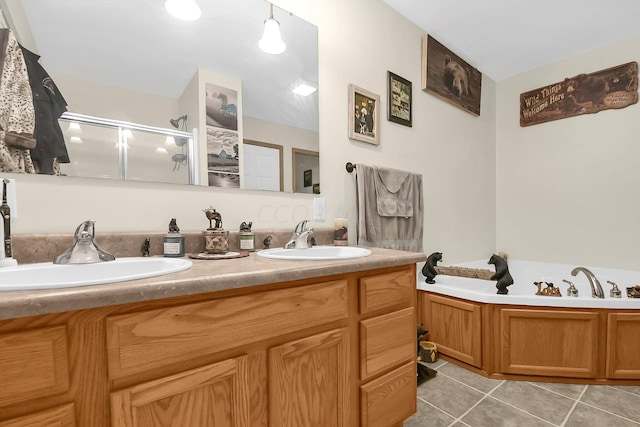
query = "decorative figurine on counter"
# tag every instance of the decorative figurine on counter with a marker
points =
(502, 274)
(216, 240)
(267, 242)
(173, 226)
(429, 269)
(549, 291)
(213, 215)
(146, 245)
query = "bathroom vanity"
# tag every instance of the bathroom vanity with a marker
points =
(239, 342)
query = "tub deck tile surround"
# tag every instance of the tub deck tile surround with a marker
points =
(522, 292)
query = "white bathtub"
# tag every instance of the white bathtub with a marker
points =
(523, 291)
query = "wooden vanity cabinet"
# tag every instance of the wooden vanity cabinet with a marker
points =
(333, 351)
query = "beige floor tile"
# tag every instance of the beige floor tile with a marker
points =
(492, 413)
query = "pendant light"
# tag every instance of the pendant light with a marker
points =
(271, 41)
(187, 10)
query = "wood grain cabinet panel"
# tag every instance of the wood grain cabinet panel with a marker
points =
(62, 416)
(456, 327)
(623, 344)
(143, 341)
(388, 400)
(387, 341)
(387, 290)
(33, 364)
(309, 381)
(548, 342)
(211, 396)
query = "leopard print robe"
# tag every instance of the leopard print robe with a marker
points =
(17, 116)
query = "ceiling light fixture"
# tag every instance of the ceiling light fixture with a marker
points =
(187, 10)
(304, 89)
(271, 41)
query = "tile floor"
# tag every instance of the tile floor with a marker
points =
(459, 398)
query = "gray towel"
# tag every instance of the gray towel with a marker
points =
(390, 208)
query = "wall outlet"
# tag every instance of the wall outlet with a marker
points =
(319, 209)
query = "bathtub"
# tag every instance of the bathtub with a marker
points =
(523, 291)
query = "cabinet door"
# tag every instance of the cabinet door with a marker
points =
(623, 345)
(557, 343)
(456, 327)
(211, 396)
(309, 381)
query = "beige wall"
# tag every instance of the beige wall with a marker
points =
(567, 190)
(454, 151)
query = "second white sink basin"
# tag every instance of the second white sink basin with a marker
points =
(47, 275)
(316, 253)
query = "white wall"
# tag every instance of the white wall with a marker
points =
(454, 151)
(567, 190)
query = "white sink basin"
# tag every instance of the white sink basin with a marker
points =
(47, 275)
(316, 253)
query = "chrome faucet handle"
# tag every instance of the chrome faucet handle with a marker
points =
(572, 291)
(84, 249)
(615, 291)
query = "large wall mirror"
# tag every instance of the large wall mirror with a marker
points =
(131, 61)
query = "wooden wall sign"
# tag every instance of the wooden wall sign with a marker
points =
(615, 87)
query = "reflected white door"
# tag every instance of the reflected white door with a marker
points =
(261, 167)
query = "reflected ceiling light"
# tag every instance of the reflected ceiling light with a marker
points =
(304, 89)
(169, 141)
(76, 140)
(74, 127)
(187, 10)
(161, 150)
(271, 41)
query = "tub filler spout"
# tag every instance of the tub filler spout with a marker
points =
(596, 289)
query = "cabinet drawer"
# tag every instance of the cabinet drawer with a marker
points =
(395, 289)
(386, 341)
(34, 364)
(143, 341)
(61, 416)
(389, 399)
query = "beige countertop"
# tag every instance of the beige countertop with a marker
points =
(204, 276)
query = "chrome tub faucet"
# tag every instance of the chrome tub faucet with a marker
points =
(84, 250)
(300, 237)
(596, 289)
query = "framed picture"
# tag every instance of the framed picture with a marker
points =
(449, 77)
(308, 178)
(400, 99)
(364, 115)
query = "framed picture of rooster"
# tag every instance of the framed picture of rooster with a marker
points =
(449, 77)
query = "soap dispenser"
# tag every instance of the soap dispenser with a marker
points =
(216, 239)
(246, 238)
(173, 241)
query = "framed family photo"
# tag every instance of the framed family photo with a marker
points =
(364, 115)
(449, 77)
(399, 99)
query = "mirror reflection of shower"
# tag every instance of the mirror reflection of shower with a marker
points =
(180, 123)
(141, 152)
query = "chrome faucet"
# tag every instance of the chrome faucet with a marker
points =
(300, 236)
(596, 289)
(84, 250)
